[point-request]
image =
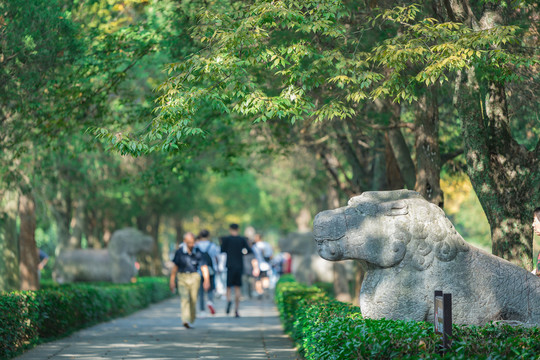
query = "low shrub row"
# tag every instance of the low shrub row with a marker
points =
(323, 328)
(29, 317)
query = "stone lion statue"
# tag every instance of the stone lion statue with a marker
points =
(410, 249)
(116, 263)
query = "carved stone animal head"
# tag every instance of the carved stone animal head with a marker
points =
(387, 228)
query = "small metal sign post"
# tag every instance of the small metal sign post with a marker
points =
(443, 317)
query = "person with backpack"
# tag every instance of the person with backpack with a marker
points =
(209, 252)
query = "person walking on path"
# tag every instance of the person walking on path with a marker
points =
(187, 262)
(536, 221)
(210, 252)
(536, 230)
(43, 260)
(154, 333)
(235, 246)
(265, 254)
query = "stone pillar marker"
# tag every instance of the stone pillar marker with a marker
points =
(443, 317)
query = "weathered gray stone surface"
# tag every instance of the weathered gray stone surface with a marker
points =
(411, 249)
(116, 263)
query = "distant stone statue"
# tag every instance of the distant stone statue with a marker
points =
(116, 263)
(410, 249)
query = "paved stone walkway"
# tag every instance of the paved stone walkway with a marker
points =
(157, 333)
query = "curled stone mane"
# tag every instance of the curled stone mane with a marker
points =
(419, 226)
(428, 234)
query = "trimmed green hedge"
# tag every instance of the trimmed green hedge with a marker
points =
(29, 317)
(323, 328)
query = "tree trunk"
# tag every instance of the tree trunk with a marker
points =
(393, 174)
(503, 173)
(150, 263)
(403, 158)
(303, 220)
(332, 198)
(179, 229)
(359, 272)
(77, 224)
(358, 174)
(156, 262)
(400, 149)
(91, 230)
(29, 254)
(360, 146)
(516, 178)
(107, 228)
(62, 232)
(341, 284)
(379, 165)
(62, 211)
(428, 157)
(9, 247)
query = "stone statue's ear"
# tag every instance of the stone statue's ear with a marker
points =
(395, 208)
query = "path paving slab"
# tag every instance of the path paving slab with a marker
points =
(156, 333)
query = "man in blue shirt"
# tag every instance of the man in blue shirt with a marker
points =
(187, 261)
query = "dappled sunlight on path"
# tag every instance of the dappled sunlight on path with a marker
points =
(157, 333)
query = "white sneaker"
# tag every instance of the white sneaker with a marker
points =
(202, 314)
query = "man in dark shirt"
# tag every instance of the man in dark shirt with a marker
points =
(187, 261)
(235, 246)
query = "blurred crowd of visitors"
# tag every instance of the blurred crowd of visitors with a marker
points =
(204, 270)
